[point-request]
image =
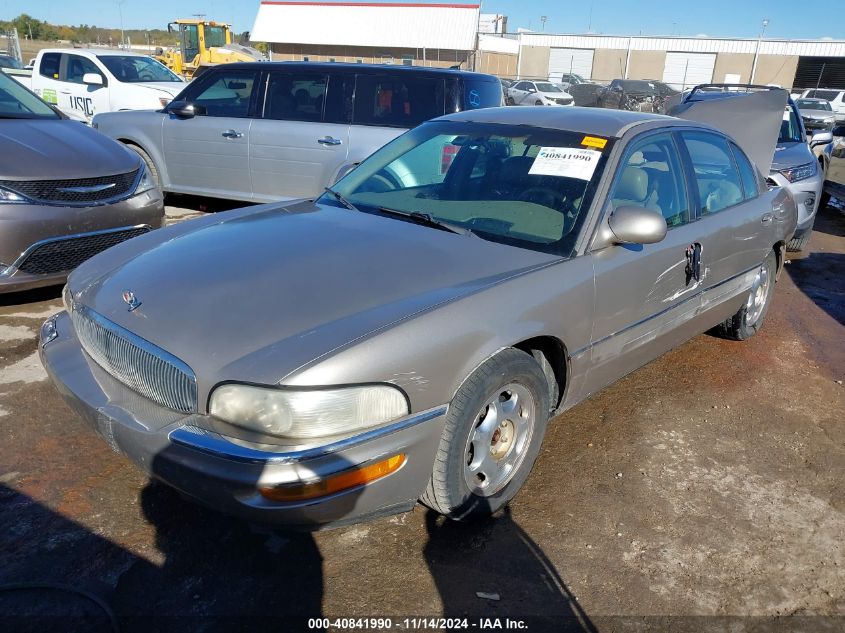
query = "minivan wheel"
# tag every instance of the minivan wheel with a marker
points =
(749, 318)
(148, 161)
(492, 436)
(509, 101)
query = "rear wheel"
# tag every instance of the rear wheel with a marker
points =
(493, 432)
(749, 319)
(509, 101)
(148, 161)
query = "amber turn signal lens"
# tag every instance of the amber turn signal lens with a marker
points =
(335, 483)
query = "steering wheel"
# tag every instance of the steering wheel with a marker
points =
(146, 75)
(548, 197)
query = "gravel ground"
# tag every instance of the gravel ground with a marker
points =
(707, 484)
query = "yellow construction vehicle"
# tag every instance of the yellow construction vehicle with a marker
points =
(203, 43)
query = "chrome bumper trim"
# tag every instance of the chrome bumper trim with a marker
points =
(218, 445)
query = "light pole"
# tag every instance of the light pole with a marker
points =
(120, 9)
(757, 50)
(543, 19)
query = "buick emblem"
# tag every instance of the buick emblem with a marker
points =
(130, 299)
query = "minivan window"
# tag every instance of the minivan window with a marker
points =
(827, 95)
(295, 96)
(746, 172)
(78, 67)
(16, 102)
(50, 63)
(716, 176)
(481, 94)
(228, 94)
(398, 101)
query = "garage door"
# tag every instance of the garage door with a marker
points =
(578, 61)
(684, 70)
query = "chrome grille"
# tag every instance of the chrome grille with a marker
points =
(76, 192)
(137, 363)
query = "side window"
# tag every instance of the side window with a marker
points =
(747, 173)
(652, 177)
(398, 102)
(225, 94)
(50, 65)
(296, 96)
(716, 175)
(78, 67)
(339, 99)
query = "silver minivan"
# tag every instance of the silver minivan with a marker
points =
(262, 132)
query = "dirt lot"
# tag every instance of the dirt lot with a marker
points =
(708, 483)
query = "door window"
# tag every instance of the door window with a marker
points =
(190, 42)
(78, 67)
(224, 94)
(295, 96)
(339, 100)
(746, 173)
(652, 177)
(50, 65)
(398, 102)
(716, 175)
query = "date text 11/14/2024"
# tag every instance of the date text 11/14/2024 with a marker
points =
(416, 624)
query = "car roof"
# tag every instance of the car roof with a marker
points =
(598, 121)
(97, 52)
(361, 68)
(812, 99)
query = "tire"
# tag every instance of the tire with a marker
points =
(509, 101)
(538, 103)
(511, 378)
(749, 318)
(824, 200)
(148, 161)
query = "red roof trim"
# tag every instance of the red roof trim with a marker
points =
(374, 4)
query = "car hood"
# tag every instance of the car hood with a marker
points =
(259, 294)
(172, 88)
(791, 155)
(555, 95)
(817, 115)
(59, 150)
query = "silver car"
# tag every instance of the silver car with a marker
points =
(408, 335)
(269, 131)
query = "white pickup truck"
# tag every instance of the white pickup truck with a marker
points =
(86, 82)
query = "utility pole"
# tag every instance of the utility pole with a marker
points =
(543, 19)
(122, 36)
(757, 50)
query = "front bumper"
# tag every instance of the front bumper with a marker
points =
(23, 226)
(224, 473)
(807, 194)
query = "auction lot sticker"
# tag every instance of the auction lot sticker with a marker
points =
(566, 162)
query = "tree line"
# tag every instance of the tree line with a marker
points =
(33, 28)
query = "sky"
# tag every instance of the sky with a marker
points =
(716, 18)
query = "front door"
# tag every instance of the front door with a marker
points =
(208, 154)
(82, 98)
(647, 296)
(301, 141)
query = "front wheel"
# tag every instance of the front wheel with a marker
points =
(148, 161)
(493, 432)
(509, 101)
(749, 319)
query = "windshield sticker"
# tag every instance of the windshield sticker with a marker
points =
(594, 141)
(565, 162)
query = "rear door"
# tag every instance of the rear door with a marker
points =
(387, 105)
(209, 153)
(302, 139)
(46, 80)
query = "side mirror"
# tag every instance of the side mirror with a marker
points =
(183, 109)
(532, 89)
(92, 79)
(636, 225)
(821, 138)
(343, 171)
(839, 130)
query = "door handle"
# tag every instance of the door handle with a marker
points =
(233, 134)
(328, 140)
(766, 218)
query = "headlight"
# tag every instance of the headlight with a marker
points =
(301, 414)
(146, 181)
(7, 196)
(794, 174)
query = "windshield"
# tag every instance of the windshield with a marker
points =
(519, 185)
(546, 87)
(10, 62)
(790, 129)
(136, 68)
(637, 86)
(808, 104)
(16, 102)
